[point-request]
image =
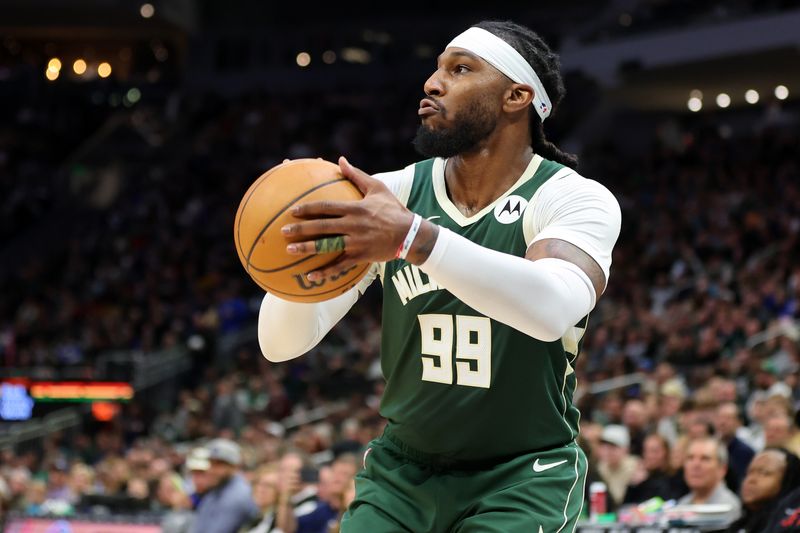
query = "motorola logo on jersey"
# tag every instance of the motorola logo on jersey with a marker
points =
(510, 209)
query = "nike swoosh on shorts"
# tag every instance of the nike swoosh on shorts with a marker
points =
(538, 467)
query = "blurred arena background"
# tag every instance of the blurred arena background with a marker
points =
(130, 131)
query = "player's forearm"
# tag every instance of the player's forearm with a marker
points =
(540, 298)
(288, 329)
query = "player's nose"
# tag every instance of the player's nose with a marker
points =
(433, 85)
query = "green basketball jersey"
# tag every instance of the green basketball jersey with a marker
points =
(460, 384)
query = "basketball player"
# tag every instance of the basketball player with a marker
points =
(491, 254)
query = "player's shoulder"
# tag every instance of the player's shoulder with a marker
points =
(568, 185)
(398, 181)
(392, 176)
(568, 179)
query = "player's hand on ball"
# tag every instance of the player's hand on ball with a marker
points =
(369, 230)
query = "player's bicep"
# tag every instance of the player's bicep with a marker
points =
(576, 220)
(559, 249)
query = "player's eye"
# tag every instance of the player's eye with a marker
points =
(460, 69)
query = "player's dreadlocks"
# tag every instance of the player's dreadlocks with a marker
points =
(548, 67)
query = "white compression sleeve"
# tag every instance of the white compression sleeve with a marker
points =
(289, 329)
(541, 298)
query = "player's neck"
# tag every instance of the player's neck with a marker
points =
(476, 179)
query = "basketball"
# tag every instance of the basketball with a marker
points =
(265, 209)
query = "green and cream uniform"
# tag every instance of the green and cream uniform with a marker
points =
(480, 415)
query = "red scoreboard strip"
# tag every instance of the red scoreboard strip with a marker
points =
(80, 391)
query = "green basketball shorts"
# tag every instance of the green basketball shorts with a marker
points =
(401, 490)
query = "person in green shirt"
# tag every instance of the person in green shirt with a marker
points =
(491, 253)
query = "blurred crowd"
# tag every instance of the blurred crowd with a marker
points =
(259, 484)
(637, 17)
(703, 305)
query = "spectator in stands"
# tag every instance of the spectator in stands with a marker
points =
(786, 516)
(18, 480)
(57, 481)
(197, 465)
(349, 441)
(592, 474)
(174, 502)
(671, 397)
(756, 413)
(344, 469)
(779, 432)
(727, 424)
(654, 476)
(616, 466)
(300, 507)
(171, 492)
(228, 504)
(227, 413)
(348, 496)
(138, 488)
(634, 418)
(113, 473)
(611, 407)
(706, 464)
(326, 486)
(82, 480)
(265, 496)
(35, 497)
(772, 474)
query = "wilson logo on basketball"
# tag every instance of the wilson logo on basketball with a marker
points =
(510, 209)
(306, 284)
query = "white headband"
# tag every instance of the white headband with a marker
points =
(504, 58)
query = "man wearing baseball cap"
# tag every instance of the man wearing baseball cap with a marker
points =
(197, 466)
(228, 504)
(616, 465)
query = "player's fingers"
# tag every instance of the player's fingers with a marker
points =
(361, 179)
(323, 245)
(318, 226)
(324, 208)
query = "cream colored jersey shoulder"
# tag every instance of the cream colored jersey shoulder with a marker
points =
(578, 210)
(399, 182)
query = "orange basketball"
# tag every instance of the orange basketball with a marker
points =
(262, 213)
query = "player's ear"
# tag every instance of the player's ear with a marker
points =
(518, 96)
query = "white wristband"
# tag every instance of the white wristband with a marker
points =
(402, 252)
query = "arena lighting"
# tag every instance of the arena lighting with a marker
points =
(104, 70)
(79, 66)
(80, 391)
(147, 10)
(694, 104)
(133, 95)
(51, 75)
(696, 93)
(303, 59)
(751, 96)
(356, 55)
(781, 92)
(328, 57)
(104, 411)
(15, 402)
(723, 100)
(54, 64)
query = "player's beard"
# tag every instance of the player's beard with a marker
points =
(468, 129)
